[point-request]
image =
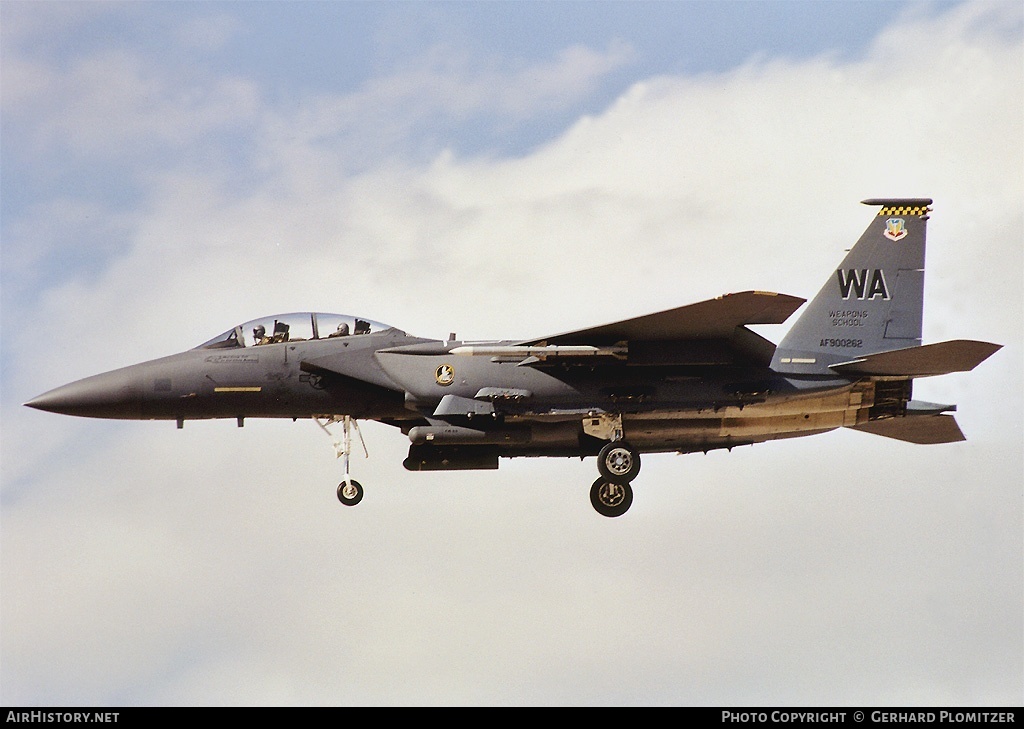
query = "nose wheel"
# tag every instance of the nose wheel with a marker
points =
(350, 492)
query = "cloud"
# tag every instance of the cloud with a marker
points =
(405, 111)
(209, 33)
(114, 103)
(213, 565)
(452, 83)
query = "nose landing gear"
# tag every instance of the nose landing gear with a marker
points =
(350, 491)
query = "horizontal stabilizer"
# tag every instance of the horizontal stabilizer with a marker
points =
(959, 355)
(924, 430)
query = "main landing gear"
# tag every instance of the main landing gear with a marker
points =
(619, 463)
(350, 491)
(611, 495)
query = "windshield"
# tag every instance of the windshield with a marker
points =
(296, 327)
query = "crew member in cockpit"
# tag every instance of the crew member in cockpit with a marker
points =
(341, 331)
(259, 335)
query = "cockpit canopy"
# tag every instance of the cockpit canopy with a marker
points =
(292, 328)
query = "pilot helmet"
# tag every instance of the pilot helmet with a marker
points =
(260, 331)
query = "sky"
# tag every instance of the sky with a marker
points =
(498, 170)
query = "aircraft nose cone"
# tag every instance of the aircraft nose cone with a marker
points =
(110, 395)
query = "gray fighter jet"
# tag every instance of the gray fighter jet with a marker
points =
(689, 379)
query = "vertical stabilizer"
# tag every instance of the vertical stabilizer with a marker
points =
(873, 302)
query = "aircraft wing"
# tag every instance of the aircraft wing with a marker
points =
(706, 333)
(711, 319)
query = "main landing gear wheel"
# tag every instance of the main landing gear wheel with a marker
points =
(618, 462)
(350, 493)
(611, 499)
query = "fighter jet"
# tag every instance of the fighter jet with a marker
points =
(689, 379)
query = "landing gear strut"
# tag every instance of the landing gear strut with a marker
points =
(350, 491)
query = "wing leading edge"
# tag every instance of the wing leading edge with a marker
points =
(711, 319)
(708, 332)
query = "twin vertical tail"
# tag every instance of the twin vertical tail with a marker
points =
(865, 323)
(873, 302)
